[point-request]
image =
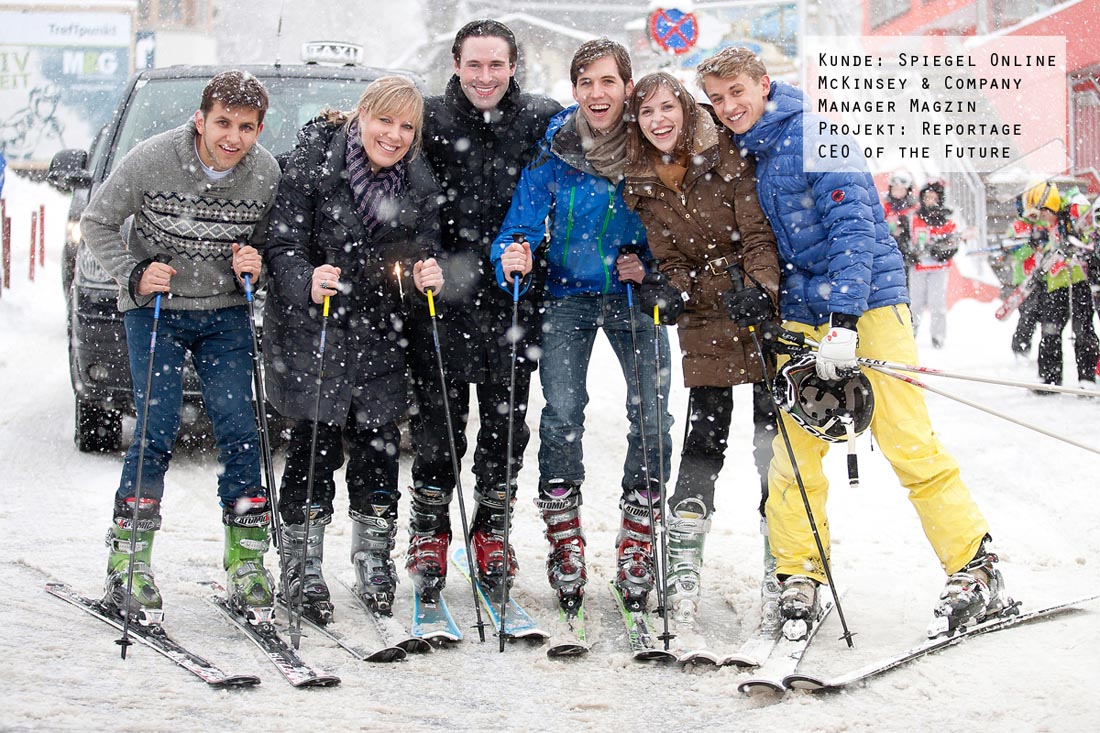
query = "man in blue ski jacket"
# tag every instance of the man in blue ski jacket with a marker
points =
(844, 286)
(568, 205)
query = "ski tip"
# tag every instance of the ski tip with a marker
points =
(756, 687)
(570, 650)
(799, 681)
(239, 680)
(385, 656)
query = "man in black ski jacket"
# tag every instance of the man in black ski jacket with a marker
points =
(479, 134)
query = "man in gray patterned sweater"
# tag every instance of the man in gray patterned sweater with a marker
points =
(179, 221)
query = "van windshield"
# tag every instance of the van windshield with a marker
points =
(162, 104)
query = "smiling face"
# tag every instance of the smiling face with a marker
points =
(661, 119)
(226, 134)
(601, 93)
(484, 70)
(386, 137)
(739, 101)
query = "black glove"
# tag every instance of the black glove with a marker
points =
(656, 290)
(749, 306)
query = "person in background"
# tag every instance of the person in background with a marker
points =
(934, 241)
(899, 206)
(194, 202)
(478, 136)
(356, 200)
(1064, 290)
(843, 284)
(569, 206)
(696, 196)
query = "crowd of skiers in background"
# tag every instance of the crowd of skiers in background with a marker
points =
(456, 243)
(1047, 257)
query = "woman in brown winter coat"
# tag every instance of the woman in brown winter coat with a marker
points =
(696, 196)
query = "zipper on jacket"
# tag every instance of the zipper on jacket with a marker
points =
(568, 227)
(603, 230)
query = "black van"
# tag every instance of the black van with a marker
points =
(155, 101)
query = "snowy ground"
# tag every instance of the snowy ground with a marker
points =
(1038, 493)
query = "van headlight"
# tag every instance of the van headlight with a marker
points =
(90, 273)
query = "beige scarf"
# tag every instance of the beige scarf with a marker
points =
(605, 151)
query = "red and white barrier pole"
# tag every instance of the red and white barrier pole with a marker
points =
(34, 241)
(41, 235)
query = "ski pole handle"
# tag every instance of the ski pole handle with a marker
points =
(431, 302)
(247, 287)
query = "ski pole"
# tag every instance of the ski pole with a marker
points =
(454, 463)
(874, 363)
(662, 568)
(274, 521)
(296, 617)
(513, 337)
(735, 273)
(124, 641)
(645, 450)
(803, 342)
(917, 383)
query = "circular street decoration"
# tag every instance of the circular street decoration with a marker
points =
(673, 30)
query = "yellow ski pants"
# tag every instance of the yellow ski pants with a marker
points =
(901, 427)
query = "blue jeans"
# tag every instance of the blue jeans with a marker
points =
(569, 331)
(220, 343)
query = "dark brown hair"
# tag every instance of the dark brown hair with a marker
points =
(591, 51)
(636, 143)
(235, 89)
(485, 28)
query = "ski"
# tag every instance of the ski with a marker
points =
(518, 624)
(800, 681)
(156, 638)
(638, 623)
(433, 622)
(392, 633)
(691, 645)
(572, 641)
(785, 656)
(384, 655)
(1019, 295)
(285, 659)
(754, 650)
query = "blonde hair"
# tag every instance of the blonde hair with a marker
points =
(393, 95)
(729, 63)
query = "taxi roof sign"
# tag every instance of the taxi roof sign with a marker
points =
(332, 52)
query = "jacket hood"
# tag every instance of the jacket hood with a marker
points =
(784, 102)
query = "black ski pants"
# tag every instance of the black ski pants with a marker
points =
(371, 474)
(1055, 309)
(710, 410)
(432, 465)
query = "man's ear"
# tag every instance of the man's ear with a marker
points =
(766, 84)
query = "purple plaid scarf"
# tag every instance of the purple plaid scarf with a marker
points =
(371, 191)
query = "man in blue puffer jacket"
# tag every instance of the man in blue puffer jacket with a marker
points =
(571, 196)
(844, 285)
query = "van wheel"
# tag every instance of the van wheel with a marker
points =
(98, 428)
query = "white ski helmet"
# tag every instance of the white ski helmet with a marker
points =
(833, 410)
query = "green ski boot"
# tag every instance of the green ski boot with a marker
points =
(246, 541)
(144, 601)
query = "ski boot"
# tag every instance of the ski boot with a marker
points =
(144, 602)
(312, 590)
(372, 543)
(973, 594)
(488, 538)
(429, 537)
(249, 585)
(687, 532)
(560, 507)
(637, 570)
(771, 620)
(798, 606)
